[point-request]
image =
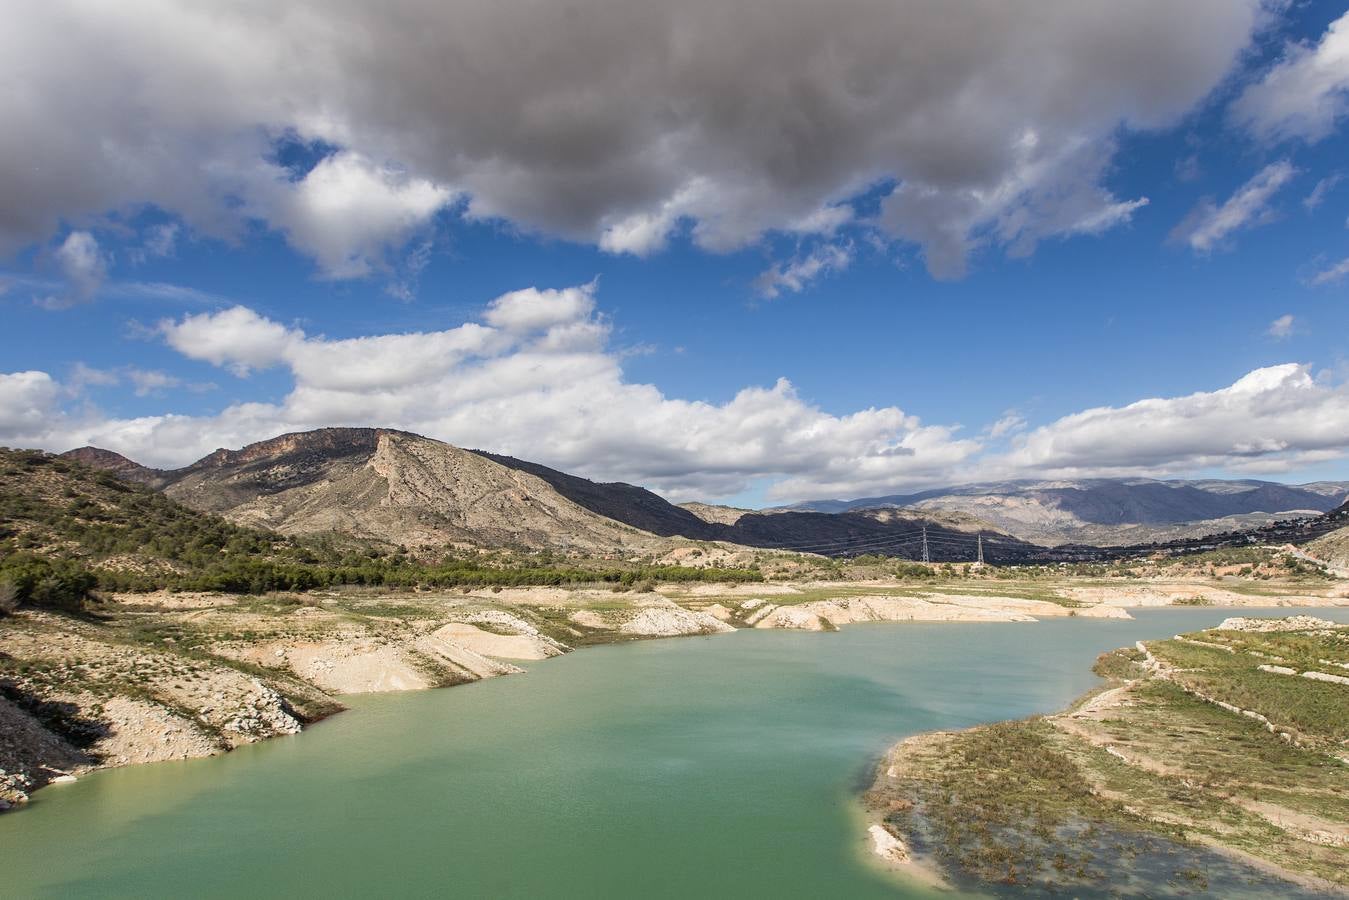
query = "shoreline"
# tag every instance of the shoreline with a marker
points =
(292, 683)
(899, 802)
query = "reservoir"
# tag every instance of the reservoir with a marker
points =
(723, 766)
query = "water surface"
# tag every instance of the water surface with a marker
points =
(724, 766)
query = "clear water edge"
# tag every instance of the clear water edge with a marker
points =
(719, 766)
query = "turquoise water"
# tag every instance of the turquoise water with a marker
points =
(724, 766)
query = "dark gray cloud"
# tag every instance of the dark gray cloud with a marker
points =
(609, 121)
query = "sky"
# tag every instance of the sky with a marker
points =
(751, 253)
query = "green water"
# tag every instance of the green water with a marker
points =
(724, 766)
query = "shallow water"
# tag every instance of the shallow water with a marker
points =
(724, 766)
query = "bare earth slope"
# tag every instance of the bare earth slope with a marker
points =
(1333, 548)
(391, 486)
(417, 492)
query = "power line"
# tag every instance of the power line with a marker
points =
(878, 542)
(840, 542)
(868, 542)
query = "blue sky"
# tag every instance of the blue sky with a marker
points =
(629, 355)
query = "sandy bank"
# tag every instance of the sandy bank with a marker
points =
(172, 676)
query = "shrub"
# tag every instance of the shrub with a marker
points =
(30, 580)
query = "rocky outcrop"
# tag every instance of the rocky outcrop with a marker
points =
(30, 755)
(668, 619)
(395, 487)
(1287, 623)
(822, 615)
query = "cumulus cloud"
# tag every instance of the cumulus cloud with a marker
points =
(84, 268)
(534, 310)
(347, 212)
(796, 274)
(602, 121)
(236, 338)
(1209, 225)
(1281, 328)
(536, 378)
(27, 404)
(1271, 419)
(1306, 94)
(1052, 188)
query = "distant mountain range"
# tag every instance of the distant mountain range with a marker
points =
(1111, 511)
(416, 492)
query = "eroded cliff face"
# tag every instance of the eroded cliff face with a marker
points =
(169, 676)
(395, 487)
(1333, 548)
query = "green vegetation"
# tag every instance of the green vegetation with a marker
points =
(66, 529)
(29, 580)
(1066, 800)
(997, 804)
(1119, 665)
(1318, 711)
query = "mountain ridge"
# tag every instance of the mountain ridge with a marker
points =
(1107, 511)
(408, 490)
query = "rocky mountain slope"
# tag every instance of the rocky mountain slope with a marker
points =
(715, 513)
(1333, 547)
(1113, 511)
(385, 485)
(411, 491)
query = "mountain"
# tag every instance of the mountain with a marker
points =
(116, 463)
(952, 536)
(1113, 511)
(413, 491)
(1333, 547)
(65, 523)
(716, 514)
(391, 486)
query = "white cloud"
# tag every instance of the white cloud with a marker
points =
(1306, 94)
(796, 274)
(157, 290)
(550, 388)
(602, 121)
(27, 405)
(158, 241)
(82, 376)
(1333, 274)
(1281, 328)
(84, 266)
(148, 382)
(1271, 419)
(236, 338)
(1321, 191)
(532, 309)
(347, 211)
(1208, 225)
(1009, 424)
(537, 380)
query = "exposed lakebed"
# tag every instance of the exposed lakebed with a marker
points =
(705, 766)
